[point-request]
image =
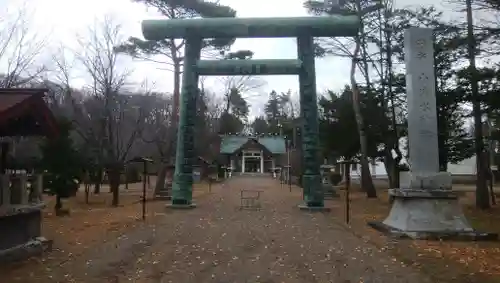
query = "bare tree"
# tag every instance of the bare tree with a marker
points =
(62, 98)
(242, 85)
(79, 107)
(117, 118)
(291, 104)
(215, 106)
(158, 132)
(360, 45)
(20, 48)
(169, 52)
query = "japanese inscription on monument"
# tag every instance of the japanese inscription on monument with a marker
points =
(422, 116)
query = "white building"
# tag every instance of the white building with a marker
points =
(465, 167)
(377, 169)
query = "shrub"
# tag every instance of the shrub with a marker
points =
(62, 163)
(335, 178)
(221, 172)
(60, 185)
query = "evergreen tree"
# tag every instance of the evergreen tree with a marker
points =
(61, 162)
(260, 126)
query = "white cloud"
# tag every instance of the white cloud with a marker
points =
(64, 19)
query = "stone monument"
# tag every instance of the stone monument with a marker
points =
(329, 190)
(165, 191)
(425, 206)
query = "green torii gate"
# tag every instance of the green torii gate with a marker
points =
(195, 30)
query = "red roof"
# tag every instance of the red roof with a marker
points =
(8, 101)
(23, 112)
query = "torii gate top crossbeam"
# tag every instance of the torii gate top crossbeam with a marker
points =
(331, 26)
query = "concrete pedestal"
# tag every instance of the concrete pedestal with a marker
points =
(21, 228)
(421, 214)
(426, 181)
(330, 192)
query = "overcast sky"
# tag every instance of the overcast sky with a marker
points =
(61, 20)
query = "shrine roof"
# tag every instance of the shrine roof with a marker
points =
(231, 144)
(23, 112)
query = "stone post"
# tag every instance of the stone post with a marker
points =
(38, 188)
(23, 187)
(261, 162)
(311, 177)
(19, 190)
(5, 185)
(182, 189)
(165, 190)
(424, 206)
(422, 113)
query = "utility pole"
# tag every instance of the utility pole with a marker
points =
(482, 197)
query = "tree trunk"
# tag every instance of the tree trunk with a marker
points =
(392, 169)
(393, 143)
(394, 140)
(366, 178)
(395, 175)
(389, 165)
(98, 181)
(177, 90)
(114, 184)
(160, 179)
(175, 117)
(86, 185)
(58, 205)
(482, 194)
(87, 192)
(110, 190)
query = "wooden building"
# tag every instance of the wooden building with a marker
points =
(23, 113)
(253, 154)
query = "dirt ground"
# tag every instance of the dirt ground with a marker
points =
(461, 262)
(88, 226)
(218, 242)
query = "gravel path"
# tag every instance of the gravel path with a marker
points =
(217, 242)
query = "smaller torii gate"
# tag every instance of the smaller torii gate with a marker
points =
(195, 30)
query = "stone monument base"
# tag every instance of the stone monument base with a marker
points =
(162, 197)
(330, 192)
(306, 207)
(20, 227)
(34, 247)
(432, 215)
(164, 194)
